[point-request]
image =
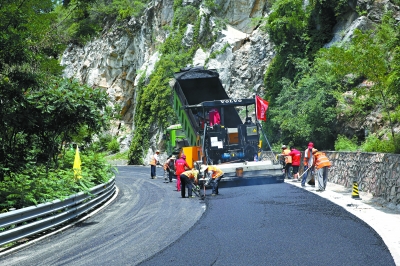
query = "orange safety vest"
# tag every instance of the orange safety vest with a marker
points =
(288, 158)
(216, 172)
(153, 161)
(321, 160)
(192, 174)
(308, 155)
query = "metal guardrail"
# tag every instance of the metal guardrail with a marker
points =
(36, 219)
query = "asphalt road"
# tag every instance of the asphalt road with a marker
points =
(270, 224)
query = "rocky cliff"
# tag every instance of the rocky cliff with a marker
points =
(115, 60)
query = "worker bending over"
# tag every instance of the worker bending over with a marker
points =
(216, 175)
(187, 180)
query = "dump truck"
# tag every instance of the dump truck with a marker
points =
(215, 133)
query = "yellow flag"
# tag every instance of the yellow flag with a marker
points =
(77, 164)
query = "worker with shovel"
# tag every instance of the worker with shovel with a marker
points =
(216, 176)
(308, 164)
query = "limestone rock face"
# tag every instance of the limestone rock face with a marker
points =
(240, 12)
(114, 60)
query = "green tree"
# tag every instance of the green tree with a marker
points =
(80, 20)
(287, 29)
(305, 108)
(38, 109)
(298, 30)
(35, 127)
(372, 56)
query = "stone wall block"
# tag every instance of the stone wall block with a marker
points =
(375, 173)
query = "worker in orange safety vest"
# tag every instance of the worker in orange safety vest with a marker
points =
(187, 180)
(216, 175)
(153, 163)
(288, 161)
(322, 165)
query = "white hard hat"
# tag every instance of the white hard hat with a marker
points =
(203, 168)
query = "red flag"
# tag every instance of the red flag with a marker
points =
(261, 108)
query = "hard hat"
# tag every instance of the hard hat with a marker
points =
(157, 151)
(314, 150)
(283, 146)
(173, 157)
(203, 168)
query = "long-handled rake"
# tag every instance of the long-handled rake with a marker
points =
(304, 173)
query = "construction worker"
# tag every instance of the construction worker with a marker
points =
(216, 176)
(214, 117)
(180, 166)
(187, 179)
(308, 164)
(169, 168)
(296, 159)
(322, 165)
(288, 161)
(153, 162)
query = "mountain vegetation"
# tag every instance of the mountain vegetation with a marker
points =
(41, 112)
(307, 82)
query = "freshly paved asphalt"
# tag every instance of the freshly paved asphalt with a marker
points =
(270, 224)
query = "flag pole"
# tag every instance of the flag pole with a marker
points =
(261, 129)
(255, 100)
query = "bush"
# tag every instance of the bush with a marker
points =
(344, 144)
(36, 184)
(113, 146)
(374, 144)
(103, 141)
(119, 156)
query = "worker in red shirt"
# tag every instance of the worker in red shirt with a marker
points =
(180, 166)
(296, 158)
(214, 117)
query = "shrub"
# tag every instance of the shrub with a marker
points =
(103, 141)
(344, 144)
(113, 146)
(35, 185)
(374, 144)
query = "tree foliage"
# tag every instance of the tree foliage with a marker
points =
(38, 185)
(305, 81)
(373, 57)
(305, 108)
(39, 109)
(80, 20)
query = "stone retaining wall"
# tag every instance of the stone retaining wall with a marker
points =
(375, 173)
